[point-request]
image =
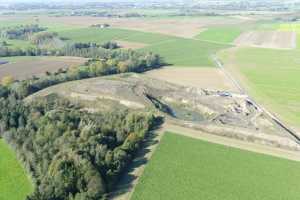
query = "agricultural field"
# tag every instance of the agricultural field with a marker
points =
(175, 50)
(273, 79)
(268, 39)
(220, 34)
(104, 35)
(14, 183)
(26, 67)
(187, 52)
(194, 169)
(186, 27)
(199, 77)
(295, 27)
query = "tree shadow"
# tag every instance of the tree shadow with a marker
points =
(126, 181)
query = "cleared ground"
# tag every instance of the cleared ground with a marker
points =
(22, 68)
(14, 183)
(203, 77)
(186, 168)
(271, 76)
(268, 39)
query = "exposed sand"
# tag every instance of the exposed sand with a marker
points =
(200, 77)
(268, 39)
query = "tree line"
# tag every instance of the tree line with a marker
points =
(21, 32)
(72, 154)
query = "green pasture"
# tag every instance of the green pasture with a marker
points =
(14, 183)
(186, 168)
(186, 52)
(220, 34)
(102, 35)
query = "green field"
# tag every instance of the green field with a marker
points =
(186, 168)
(14, 183)
(187, 52)
(272, 77)
(175, 50)
(220, 34)
(103, 35)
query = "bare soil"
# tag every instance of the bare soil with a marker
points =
(199, 77)
(26, 69)
(268, 39)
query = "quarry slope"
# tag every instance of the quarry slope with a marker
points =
(215, 112)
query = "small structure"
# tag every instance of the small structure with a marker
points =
(100, 25)
(2, 62)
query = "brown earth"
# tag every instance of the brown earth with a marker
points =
(200, 77)
(268, 39)
(38, 66)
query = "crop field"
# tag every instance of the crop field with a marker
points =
(186, 27)
(268, 39)
(220, 34)
(186, 52)
(26, 67)
(199, 77)
(103, 35)
(175, 50)
(14, 184)
(186, 168)
(273, 79)
(292, 27)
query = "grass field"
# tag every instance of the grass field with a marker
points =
(175, 50)
(186, 52)
(186, 168)
(271, 76)
(220, 34)
(14, 184)
(103, 35)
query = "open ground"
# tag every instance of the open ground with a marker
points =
(27, 67)
(268, 39)
(200, 77)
